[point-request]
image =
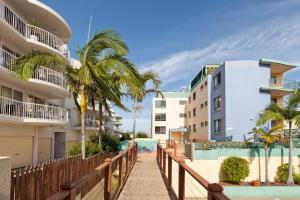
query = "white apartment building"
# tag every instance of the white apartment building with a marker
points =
(32, 113)
(169, 116)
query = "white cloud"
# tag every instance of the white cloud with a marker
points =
(277, 38)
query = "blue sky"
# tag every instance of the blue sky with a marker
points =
(175, 38)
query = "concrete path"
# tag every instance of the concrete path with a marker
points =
(145, 181)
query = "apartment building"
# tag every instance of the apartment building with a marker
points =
(224, 101)
(169, 116)
(32, 113)
(241, 90)
(198, 107)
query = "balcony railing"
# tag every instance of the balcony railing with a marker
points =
(14, 108)
(32, 32)
(278, 82)
(42, 73)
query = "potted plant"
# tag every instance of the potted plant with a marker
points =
(255, 183)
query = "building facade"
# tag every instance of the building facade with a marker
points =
(38, 118)
(224, 101)
(169, 116)
(32, 113)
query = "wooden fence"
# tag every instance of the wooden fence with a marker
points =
(112, 175)
(40, 181)
(183, 182)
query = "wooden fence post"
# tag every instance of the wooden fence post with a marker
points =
(121, 180)
(164, 162)
(191, 151)
(71, 187)
(127, 163)
(169, 171)
(107, 180)
(161, 157)
(157, 153)
(212, 189)
(181, 181)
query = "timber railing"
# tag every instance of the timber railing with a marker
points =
(38, 182)
(110, 175)
(183, 182)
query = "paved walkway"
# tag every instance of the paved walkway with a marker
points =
(145, 181)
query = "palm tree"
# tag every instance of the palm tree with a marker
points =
(99, 58)
(138, 97)
(268, 137)
(289, 113)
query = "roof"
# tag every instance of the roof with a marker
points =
(175, 94)
(269, 61)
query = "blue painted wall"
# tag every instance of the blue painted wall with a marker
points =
(242, 100)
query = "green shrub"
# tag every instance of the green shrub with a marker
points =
(90, 149)
(141, 135)
(94, 138)
(283, 172)
(75, 149)
(297, 179)
(126, 136)
(109, 142)
(235, 169)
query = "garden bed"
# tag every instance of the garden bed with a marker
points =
(262, 184)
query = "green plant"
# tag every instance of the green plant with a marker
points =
(297, 179)
(141, 135)
(94, 138)
(75, 149)
(283, 172)
(235, 169)
(90, 149)
(109, 142)
(289, 113)
(126, 136)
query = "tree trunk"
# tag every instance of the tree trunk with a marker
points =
(83, 110)
(290, 180)
(134, 119)
(100, 121)
(266, 165)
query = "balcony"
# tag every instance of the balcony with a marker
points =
(32, 33)
(279, 86)
(16, 111)
(89, 125)
(44, 79)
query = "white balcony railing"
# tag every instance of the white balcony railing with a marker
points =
(32, 32)
(42, 73)
(281, 83)
(14, 108)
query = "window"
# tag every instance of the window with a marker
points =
(205, 83)
(6, 92)
(160, 130)
(160, 104)
(160, 116)
(201, 87)
(194, 112)
(202, 124)
(194, 95)
(182, 102)
(217, 80)
(217, 126)
(190, 128)
(182, 115)
(17, 95)
(274, 100)
(194, 128)
(202, 105)
(189, 99)
(206, 124)
(190, 114)
(217, 103)
(205, 103)
(273, 80)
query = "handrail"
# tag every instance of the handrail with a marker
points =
(41, 73)
(106, 168)
(164, 160)
(21, 109)
(32, 32)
